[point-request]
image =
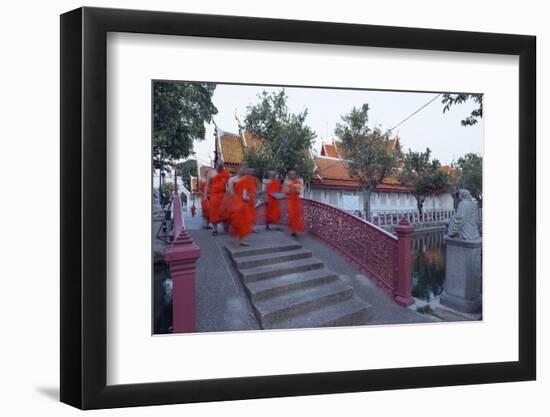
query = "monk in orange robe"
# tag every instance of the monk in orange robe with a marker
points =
(229, 201)
(244, 213)
(204, 204)
(293, 189)
(216, 185)
(272, 209)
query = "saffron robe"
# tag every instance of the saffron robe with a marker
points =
(216, 191)
(272, 209)
(229, 201)
(243, 214)
(294, 204)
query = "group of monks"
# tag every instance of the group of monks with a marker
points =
(231, 200)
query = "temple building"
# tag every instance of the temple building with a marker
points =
(332, 183)
(231, 147)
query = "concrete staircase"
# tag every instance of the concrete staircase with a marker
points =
(289, 288)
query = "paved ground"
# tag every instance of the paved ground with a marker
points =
(222, 304)
(385, 310)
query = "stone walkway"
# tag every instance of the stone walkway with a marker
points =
(222, 304)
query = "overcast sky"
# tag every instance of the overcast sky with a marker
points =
(442, 133)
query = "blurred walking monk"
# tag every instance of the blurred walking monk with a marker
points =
(216, 184)
(293, 188)
(244, 213)
(204, 204)
(272, 209)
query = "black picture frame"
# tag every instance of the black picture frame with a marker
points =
(84, 207)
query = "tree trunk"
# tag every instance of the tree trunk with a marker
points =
(366, 203)
(454, 195)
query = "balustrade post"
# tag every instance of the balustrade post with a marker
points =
(403, 289)
(182, 256)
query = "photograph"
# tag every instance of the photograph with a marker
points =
(299, 207)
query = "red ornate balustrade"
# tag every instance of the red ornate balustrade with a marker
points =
(182, 256)
(384, 258)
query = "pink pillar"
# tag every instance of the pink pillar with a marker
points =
(182, 257)
(402, 293)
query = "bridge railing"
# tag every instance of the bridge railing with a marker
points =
(384, 258)
(182, 256)
(387, 218)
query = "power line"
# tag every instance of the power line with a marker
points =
(397, 125)
(412, 114)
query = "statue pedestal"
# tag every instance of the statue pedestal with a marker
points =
(462, 288)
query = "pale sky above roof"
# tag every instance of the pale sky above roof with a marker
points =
(442, 133)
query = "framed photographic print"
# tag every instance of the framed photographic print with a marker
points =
(257, 208)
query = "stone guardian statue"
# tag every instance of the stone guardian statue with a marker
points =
(462, 287)
(464, 224)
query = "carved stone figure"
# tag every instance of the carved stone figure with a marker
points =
(464, 224)
(462, 286)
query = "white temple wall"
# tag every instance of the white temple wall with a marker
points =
(380, 201)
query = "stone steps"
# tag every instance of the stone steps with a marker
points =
(282, 268)
(352, 312)
(237, 252)
(245, 262)
(293, 303)
(289, 288)
(275, 286)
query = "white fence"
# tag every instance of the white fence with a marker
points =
(393, 217)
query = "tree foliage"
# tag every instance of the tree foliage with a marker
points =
(471, 178)
(450, 100)
(286, 139)
(423, 175)
(368, 155)
(167, 190)
(180, 110)
(185, 170)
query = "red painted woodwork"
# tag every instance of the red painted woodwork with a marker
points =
(402, 293)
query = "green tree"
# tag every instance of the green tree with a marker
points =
(180, 110)
(368, 155)
(167, 190)
(471, 166)
(286, 139)
(185, 170)
(450, 100)
(424, 176)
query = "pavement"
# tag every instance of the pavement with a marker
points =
(222, 304)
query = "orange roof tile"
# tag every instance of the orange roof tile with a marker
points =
(232, 148)
(452, 171)
(252, 141)
(339, 149)
(332, 168)
(332, 172)
(329, 150)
